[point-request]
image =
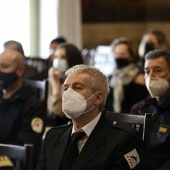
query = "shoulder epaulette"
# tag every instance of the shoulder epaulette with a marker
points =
(63, 126)
(123, 126)
(5, 162)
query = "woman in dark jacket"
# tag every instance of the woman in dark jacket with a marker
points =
(127, 83)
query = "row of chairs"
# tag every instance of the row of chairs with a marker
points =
(139, 122)
(21, 155)
(24, 153)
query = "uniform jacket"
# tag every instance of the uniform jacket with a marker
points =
(22, 119)
(133, 93)
(104, 149)
(159, 149)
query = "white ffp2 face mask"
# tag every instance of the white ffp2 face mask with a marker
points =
(74, 104)
(157, 86)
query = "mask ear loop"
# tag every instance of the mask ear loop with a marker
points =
(90, 108)
(89, 97)
(167, 77)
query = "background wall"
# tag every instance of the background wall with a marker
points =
(103, 21)
(103, 33)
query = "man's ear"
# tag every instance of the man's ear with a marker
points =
(99, 98)
(20, 70)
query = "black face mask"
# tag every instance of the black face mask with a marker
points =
(148, 47)
(121, 62)
(7, 79)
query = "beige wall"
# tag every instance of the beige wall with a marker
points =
(103, 34)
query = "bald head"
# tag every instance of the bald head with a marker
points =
(12, 56)
(12, 61)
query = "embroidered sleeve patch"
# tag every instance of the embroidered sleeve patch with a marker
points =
(132, 158)
(37, 125)
(5, 161)
(163, 129)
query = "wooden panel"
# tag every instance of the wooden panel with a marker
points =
(103, 33)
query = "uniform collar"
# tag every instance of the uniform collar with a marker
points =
(22, 93)
(165, 103)
(88, 128)
(152, 101)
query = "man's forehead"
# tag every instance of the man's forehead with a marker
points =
(7, 57)
(79, 78)
(157, 62)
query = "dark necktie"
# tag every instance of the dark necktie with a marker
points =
(72, 151)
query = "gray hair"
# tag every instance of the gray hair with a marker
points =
(99, 81)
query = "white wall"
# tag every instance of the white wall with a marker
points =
(48, 25)
(14, 23)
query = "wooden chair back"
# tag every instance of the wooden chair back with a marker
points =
(41, 89)
(22, 156)
(142, 122)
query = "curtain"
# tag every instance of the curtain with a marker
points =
(69, 21)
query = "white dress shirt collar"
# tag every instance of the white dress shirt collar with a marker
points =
(88, 128)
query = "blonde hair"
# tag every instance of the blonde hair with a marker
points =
(99, 81)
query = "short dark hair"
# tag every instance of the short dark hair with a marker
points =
(73, 54)
(58, 40)
(157, 54)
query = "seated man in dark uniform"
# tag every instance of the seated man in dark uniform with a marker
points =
(157, 76)
(92, 141)
(30, 72)
(21, 114)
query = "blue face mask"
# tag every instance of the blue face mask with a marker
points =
(7, 79)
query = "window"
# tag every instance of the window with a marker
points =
(15, 23)
(33, 23)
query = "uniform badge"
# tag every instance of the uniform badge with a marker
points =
(69, 123)
(163, 128)
(114, 123)
(132, 158)
(37, 125)
(5, 161)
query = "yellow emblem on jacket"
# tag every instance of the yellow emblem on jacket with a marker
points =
(163, 128)
(37, 125)
(5, 161)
